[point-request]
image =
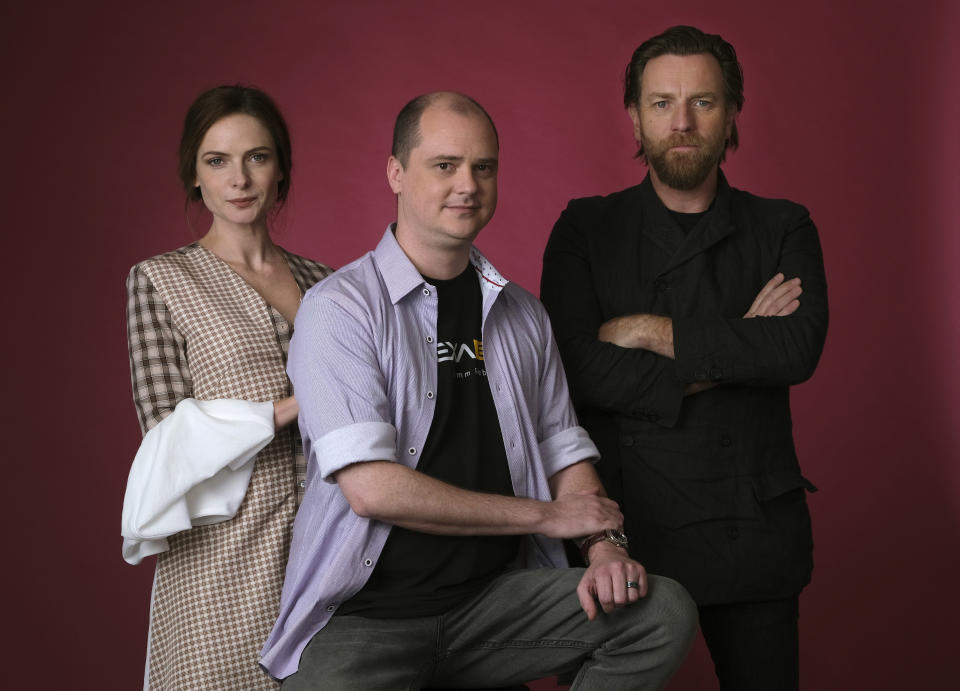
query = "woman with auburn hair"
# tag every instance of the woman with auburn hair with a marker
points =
(218, 478)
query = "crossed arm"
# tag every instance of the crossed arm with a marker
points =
(393, 493)
(778, 298)
(589, 264)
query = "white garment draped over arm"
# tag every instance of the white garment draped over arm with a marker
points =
(193, 468)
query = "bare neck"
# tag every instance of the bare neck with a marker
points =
(686, 201)
(439, 259)
(246, 246)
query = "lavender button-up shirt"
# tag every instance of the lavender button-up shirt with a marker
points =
(363, 362)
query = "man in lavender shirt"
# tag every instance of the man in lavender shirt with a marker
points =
(446, 464)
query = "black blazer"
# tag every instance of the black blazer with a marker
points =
(710, 484)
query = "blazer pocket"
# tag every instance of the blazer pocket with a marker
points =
(681, 488)
(769, 486)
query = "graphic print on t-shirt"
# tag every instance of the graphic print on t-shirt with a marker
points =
(467, 359)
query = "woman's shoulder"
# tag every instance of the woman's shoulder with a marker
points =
(170, 272)
(166, 260)
(310, 270)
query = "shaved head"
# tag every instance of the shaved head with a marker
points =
(406, 129)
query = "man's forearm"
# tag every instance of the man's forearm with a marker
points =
(578, 478)
(646, 331)
(778, 298)
(393, 493)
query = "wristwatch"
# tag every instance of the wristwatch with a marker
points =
(615, 537)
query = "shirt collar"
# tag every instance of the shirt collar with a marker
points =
(401, 276)
(399, 273)
(489, 276)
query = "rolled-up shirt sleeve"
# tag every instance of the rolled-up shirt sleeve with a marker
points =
(361, 441)
(345, 414)
(570, 446)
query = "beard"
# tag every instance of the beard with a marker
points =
(688, 170)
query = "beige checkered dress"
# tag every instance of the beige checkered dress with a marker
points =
(196, 329)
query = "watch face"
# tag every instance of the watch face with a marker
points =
(617, 537)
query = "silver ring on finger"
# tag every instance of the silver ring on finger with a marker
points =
(633, 584)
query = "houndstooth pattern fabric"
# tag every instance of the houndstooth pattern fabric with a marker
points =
(195, 328)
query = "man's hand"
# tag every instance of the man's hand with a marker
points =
(606, 579)
(580, 513)
(778, 298)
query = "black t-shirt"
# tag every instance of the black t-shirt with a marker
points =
(420, 574)
(687, 221)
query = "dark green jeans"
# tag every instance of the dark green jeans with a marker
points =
(525, 625)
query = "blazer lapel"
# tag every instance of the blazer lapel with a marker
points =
(655, 222)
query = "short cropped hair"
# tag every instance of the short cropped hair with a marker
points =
(406, 129)
(688, 40)
(214, 105)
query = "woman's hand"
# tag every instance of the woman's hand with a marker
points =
(285, 411)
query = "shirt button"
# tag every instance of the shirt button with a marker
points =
(330, 608)
(429, 394)
(368, 562)
(426, 291)
(411, 451)
(302, 483)
(429, 339)
(733, 532)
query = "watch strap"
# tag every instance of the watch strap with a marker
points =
(589, 542)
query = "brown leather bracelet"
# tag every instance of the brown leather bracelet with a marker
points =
(589, 542)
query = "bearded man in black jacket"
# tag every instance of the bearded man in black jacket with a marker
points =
(684, 310)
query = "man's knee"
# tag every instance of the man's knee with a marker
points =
(674, 610)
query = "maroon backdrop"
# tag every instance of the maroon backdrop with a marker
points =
(849, 110)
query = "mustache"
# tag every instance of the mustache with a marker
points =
(683, 140)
